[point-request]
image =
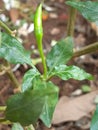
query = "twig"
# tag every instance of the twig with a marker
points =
(8, 30)
(13, 79)
(6, 67)
(86, 50)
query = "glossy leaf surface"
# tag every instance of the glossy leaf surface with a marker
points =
(94, 123)
(88, 9)
(28, 79)
(27, 107)
(50, 99)
(49, 106)
(60, 53)
(67, 72)
(12, 50)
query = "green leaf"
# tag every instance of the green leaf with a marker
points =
(50, 99)
(49, 106)
(88, 9)
(94, 122)
(60, 53)
(12, 50)
(28, 79)
(17, 126)
(66, 72)
(25, 108)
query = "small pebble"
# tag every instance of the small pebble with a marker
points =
(53, 15)
(77, 92)
(55, 31)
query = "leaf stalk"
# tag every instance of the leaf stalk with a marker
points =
(43, 60)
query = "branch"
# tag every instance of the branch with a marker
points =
(8, 30)
(7, 69)
(86, 50)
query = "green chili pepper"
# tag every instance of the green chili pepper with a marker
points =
(38, 29)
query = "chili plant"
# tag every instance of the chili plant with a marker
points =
(38, 95)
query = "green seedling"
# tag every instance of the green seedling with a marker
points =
(38, 95)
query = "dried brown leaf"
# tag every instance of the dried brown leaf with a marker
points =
(73, 109)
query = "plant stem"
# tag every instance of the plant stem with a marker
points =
(2, 108)
(71, 21)
(85, 50)
(6, 67)
(13, 79)
(3, 25)
(43, 60)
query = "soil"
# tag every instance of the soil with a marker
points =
(55, 28)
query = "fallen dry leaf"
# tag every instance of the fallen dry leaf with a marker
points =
(73, 109)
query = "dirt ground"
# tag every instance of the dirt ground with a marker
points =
(55, 27)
